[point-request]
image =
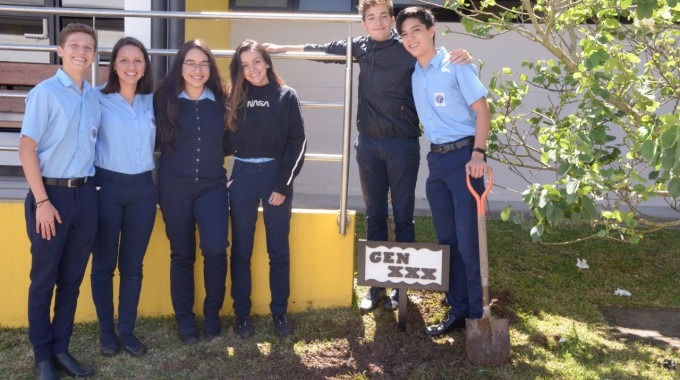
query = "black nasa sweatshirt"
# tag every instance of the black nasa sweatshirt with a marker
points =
(270, 125)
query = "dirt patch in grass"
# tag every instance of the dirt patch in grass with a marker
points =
(655, 326)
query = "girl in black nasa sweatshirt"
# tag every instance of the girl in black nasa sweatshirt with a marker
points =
(268, 143)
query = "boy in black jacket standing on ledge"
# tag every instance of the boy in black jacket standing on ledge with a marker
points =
(388, 148)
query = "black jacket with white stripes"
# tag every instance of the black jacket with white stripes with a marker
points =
(270, 125)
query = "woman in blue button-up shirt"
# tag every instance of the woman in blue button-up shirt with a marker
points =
(126, 193)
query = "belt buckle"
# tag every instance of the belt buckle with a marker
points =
(70, 183)
(441, 149)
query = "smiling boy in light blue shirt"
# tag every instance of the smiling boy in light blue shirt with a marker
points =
(56, 149)
(451, 105)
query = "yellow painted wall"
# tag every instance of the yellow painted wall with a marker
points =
(216, 32)
(321, 268)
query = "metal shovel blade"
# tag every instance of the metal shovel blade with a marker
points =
(487, 342)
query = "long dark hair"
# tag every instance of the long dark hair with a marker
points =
(145, 84)
(166, 103)
(238, 89)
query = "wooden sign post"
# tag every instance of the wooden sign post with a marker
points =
(404, 266)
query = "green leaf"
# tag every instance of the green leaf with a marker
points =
(506, 212)
(669, 136)
(588, 208)
(632, 58)
(674, 187)
(517, 219)
(572, 186)
(645, 8)
(536, 232)
(648, 150)
(611, 23)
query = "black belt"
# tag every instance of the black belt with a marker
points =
(66, 182)
(448, 147)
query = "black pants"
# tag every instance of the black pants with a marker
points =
(59, 262)
(185, 204)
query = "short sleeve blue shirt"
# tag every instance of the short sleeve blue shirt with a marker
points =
(443, 93)
(64, 123)
(127, 133)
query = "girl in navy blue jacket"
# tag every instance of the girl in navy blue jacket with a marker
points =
(268, 143)
(192, 192)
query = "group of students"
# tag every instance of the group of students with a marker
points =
(88, 154)
(405, 82)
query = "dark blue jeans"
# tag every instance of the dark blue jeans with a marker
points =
(454, 213)
(185, 204)
(388, 165)
(59, 262)
(251, 184)
(127, 212)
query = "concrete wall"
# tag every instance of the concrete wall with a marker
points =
(321, 268)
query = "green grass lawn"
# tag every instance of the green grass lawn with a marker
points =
(539, 288)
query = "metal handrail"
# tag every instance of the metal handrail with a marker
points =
(343, 218)
(169, 52)
(250, 16)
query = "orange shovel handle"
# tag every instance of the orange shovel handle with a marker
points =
(481, 208)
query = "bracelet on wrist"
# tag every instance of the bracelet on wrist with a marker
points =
(41, 202)
(479, 150)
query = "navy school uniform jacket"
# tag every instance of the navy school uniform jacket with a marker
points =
(270, 125)
(194, 152)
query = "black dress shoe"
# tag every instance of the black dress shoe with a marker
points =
(449, 324)
(132, 345)
(108, 343)
(189, 338)
(109, 349)
(211, 334)
(67, 363)
(45, 370)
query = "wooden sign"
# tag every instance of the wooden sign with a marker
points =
(403, 265)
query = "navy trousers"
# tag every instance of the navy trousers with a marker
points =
(454, 213)
(185, 204)
(251, 184)
(59, 262)
(127, 212)
(388, 165)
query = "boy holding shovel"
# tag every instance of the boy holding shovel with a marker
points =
(451, 104)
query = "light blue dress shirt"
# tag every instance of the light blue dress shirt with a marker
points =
(127, 133)
(443, 93)
(64, 123)
(206, 94)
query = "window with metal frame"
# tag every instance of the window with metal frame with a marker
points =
(318, 6)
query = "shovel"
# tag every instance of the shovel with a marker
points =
(487, 341)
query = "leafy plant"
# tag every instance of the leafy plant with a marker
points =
(609, 127)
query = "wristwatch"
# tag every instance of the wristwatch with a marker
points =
(479, 150)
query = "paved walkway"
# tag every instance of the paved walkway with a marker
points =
(655, 326)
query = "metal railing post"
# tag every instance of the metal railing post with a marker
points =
(346, 134)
